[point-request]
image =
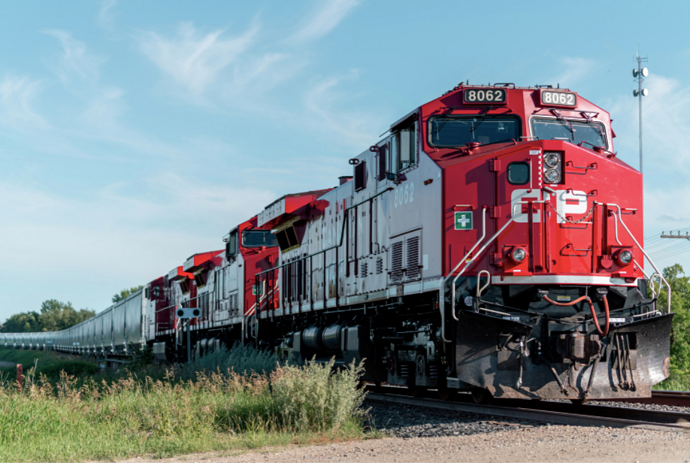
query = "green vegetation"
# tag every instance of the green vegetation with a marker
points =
(680, 337)
(126, 415)
(122, 295)
(54, 316)
(47, 363)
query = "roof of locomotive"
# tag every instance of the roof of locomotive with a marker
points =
(523, 102)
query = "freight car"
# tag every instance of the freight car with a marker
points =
(490, 242)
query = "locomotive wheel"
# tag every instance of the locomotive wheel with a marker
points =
(446, 394)
(579, 401)
(414, 391)
(481, 396)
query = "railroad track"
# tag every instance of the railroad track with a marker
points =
(549, 412)
(672, 398)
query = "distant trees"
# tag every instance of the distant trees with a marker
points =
(680, 304)
(122, 295)
(53, 316)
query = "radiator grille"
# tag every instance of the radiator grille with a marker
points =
(364, 269)
(379, 266)
(413, 258)
(396, 261)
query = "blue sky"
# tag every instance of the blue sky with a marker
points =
(134, 134)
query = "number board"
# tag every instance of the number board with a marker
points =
(551, 98)
(485, 96)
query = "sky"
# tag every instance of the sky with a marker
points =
(135, 134)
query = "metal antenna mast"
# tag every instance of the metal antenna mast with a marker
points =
(639, 74)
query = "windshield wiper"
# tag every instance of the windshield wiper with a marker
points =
(565, 121)
(481, 119)
(450, 110)
(596, 126)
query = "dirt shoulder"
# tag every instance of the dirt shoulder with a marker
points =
(539, 444)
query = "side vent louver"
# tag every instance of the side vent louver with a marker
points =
(364, 269)
(379, 266)
(396, 262)
(413, 258)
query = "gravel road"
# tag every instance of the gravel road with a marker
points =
(427, 435)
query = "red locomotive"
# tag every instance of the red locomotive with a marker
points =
(490, 243)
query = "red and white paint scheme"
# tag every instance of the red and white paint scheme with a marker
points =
(491, 242)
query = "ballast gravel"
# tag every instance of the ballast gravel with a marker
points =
(425, 435)
(409, 421)
(656, 407)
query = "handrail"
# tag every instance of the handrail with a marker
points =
(661, 278)
(443, 284)
(481, 289)
(471, 261)
(342, 235)
(646, 275)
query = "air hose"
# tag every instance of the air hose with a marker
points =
(601, 332)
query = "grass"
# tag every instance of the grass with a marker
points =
(73, 419)
(48, 363)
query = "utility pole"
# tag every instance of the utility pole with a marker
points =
(678, 236)
(639, 74)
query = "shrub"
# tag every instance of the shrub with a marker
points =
(71, 419)
(313, 397)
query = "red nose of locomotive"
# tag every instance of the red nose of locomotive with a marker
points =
(542, 233)
(560, 213)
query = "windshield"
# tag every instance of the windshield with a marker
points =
(572, 131)
(456, 131)
(257, 238)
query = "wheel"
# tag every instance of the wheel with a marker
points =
(414, 391)
(481, 396)
(446, 394)
(579, 401)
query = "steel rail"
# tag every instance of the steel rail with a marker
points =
(553, 412)
(670, 398)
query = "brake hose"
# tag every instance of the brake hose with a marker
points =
(601, 332)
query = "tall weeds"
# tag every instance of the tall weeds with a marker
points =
(71, 420)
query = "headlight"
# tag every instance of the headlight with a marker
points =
(552, 176)
(518, 254)
(624, 257)
(552, 159)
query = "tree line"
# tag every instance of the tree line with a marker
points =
(54, 315)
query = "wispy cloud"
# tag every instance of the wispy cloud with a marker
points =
(329, 14)
(194, 59)
(106, 15)
(327, 104)
(666, 126)
(573, 71)
(17, 95)
(76, 65)
(109, 228)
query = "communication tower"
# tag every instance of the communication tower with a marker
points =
(639, 74)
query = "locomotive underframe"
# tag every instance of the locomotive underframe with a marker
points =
(509, 342)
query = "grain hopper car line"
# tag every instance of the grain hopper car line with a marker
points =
(489, 243)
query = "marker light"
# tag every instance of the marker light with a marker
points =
(552, 176)
(518, 254)
(552, 159)
(624, 257)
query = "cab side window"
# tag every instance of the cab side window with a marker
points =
(403, 153)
